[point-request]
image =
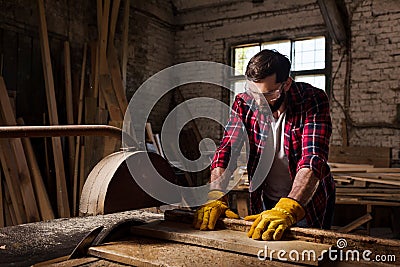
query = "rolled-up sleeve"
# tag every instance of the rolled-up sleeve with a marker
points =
(316, 133)
(232, 141)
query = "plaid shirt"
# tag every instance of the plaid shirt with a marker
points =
(307, 131)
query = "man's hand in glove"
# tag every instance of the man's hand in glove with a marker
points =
(271, 224)
(207, 215)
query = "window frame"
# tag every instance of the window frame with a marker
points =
(328, 58)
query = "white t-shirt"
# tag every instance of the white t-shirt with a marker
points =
(278, 182)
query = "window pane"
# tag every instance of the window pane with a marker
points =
(282, 47)
(243, 56)
(315, 80)
(309, 54)
(238, 86)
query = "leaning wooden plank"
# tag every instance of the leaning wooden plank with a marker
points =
(11, 179)
(105, 10)
(125, 36)
(94, 55)
(2, 223)
(75, 183)
(106, 87)
(356, 223)
(116, 78)
(69, 106)
(62, 194)
(113, 21)
(229, 240)
(150, 135)
(9, 212)
(18, 156)
(45, 208)
(105, 82)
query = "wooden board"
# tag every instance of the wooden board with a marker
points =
(17, 155)
(45, 208)
(376, 156)
(227, 240)
(125, 36)
(62, 194)
(140, 251)
(2, 222)
(377, 245)
(11, 181)
(69, 106)
(376, 178)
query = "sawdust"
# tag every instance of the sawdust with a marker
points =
(35, 242)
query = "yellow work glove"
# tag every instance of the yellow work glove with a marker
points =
(271, 224)
(207, 215)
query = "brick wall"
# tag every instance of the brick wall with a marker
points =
(374, 88)
(163, 33)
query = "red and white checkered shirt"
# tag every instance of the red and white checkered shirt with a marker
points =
(308, 128)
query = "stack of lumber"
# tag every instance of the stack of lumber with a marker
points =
(24, 194)
(365, 184)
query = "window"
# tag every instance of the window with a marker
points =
(307, 57)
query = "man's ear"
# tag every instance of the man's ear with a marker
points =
(288, 82)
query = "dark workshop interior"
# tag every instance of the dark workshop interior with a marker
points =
(76, 75)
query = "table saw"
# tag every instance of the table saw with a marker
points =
(169, 239)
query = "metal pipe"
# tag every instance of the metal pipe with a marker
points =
(60, 130)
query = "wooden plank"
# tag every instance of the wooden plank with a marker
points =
(103, 35)
(150, 135)
(75, 184)
(358, 201)
(69, 107)
(16, 154)
(227, 240)
(2, 222)
(140, 251)
(82, 176)
(158, 143)
(118, 85)
(94, 55)
(355, 224)
(45, 208)
(345, 170)
(62, 194)
(378, 245)
(333, 20)
(376, 156)
(357, 177)
(348, 165)
(125, 38)
(386, 170)
(10, 214)
(14, 197)
(113, 22)
(86, 261)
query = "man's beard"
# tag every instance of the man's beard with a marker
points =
(278, 102)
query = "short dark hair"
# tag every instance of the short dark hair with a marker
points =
(266, 63)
